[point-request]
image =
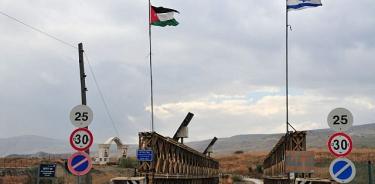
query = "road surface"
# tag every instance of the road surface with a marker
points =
(255, 181)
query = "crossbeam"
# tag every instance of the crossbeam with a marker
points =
(173, 160)
(274, 163)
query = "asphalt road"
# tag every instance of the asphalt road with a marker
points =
(253, 180)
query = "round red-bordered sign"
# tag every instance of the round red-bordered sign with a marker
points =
(81, 139)
(340, 144)
(79, 163)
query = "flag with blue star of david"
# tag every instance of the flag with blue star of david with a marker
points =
(302, 4)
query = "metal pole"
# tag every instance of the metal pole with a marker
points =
(370, 177)
(87, 178)
(286, 82)
(82, 74)
(37, 175)
(151, 80)
(83, 78)
(287, 70)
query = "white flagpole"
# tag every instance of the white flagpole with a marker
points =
(287, 70)
(286, 80)
(151, 80)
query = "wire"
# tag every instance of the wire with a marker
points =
(102, 96)
(37, 30)
(70, 45)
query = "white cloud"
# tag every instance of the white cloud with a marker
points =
(364, 102)
(307, 111)
(226, 66)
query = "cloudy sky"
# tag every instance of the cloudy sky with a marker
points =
(225, 62)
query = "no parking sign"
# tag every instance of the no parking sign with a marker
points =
(79, 163)
(342, 170)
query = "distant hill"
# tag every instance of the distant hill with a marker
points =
(32, 144)
(363, 136)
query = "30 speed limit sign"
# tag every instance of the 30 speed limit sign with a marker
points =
(81, 139)
(340, 144)
(81, 116)
(340, 119)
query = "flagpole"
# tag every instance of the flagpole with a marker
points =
(151, 80)
(287, 70)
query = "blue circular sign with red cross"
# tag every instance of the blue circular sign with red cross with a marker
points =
(79, 163)
(342, 170)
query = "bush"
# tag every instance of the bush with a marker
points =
(250, 169)
(128, 163)
(239, 152)
(237, 178)
(259, 169)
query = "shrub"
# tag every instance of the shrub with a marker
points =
(259, 169)
(237, 178)
(239, 152)
(128, 163)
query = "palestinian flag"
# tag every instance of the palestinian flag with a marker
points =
(161, 16)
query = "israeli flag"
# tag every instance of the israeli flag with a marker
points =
(302, 4)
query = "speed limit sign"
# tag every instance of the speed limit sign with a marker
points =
(340, 119)
(81, 116)
(340, 144)
(81, 139)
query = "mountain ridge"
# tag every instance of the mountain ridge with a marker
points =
(363, 137)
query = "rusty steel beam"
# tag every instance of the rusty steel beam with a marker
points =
(185, 181)
(174, 161)
(274, 163)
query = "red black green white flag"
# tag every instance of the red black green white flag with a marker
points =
(161, 16)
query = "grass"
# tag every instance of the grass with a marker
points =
(242, 164)
(129, 162)
(249, 163)
(100, 174)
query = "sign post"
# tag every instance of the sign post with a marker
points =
(81, 116)
(47, 171)
(342, 170)
(340, 120)
(79, 163)
(81, 139)
(340, 144)
(145, 155)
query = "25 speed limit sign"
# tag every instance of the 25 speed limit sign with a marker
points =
(81, 116)
(81, 139)
(340, 144)
(340, 119)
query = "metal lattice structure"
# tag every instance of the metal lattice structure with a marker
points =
(274, 164)
(174, 162)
